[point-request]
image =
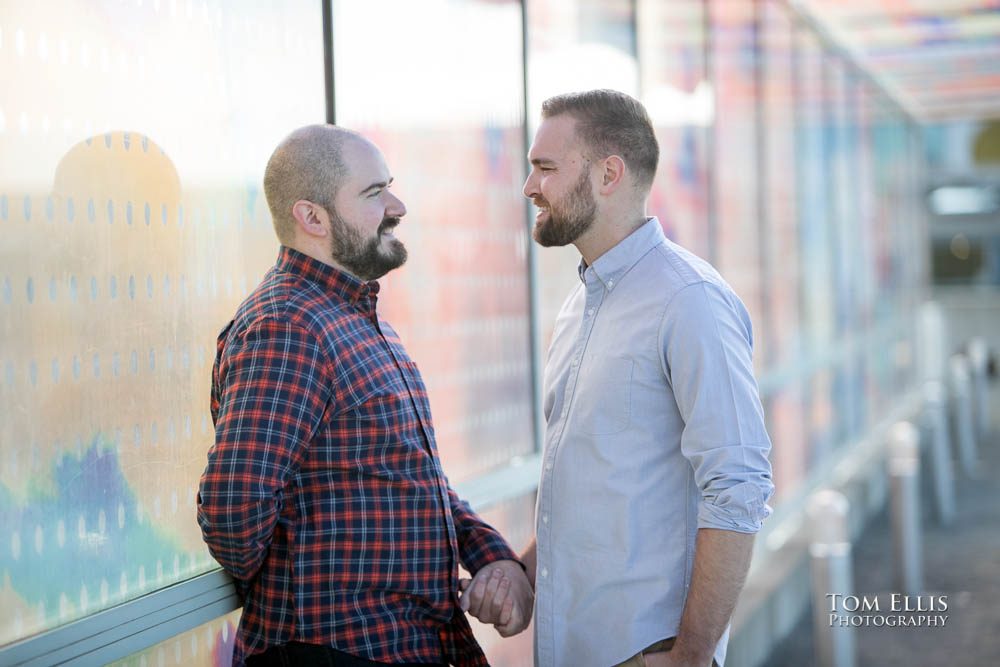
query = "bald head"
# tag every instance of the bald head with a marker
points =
(308, 164)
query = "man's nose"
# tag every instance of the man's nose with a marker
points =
(396, 207)
(530, 188)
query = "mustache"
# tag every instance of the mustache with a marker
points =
(387, 224)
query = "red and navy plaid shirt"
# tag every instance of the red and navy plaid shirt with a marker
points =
(324, 495)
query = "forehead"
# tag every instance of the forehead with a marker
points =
(365, 162)
(555, 138)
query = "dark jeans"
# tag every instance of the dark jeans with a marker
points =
(294, 654)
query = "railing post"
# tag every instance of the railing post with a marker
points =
(830, 566)
(904, 470)
(935, 409)
(961, 391)
(978, 362)
(932, 341)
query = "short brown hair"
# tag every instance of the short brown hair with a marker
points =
(307, 164)
(612, 123)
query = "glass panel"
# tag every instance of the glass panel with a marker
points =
(677, 95)
(131, 225)
(460, 304)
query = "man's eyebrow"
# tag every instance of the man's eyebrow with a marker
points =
(377, 186)
(539, 161)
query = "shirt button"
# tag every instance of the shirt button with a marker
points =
(611, 283)
(590, 311)
(545, 518)
(548, 466)
(544, 572)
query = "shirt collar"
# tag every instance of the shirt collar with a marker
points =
(331, 279)
(616, 262)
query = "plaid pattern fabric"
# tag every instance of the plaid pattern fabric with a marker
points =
(323, 494)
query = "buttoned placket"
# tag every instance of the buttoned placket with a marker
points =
(595, 292)
(369, 302)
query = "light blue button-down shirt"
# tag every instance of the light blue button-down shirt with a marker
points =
(654, 429)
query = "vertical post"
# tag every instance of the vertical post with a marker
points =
(904, 469)
(961, 391)
(830, 566)
(979, 360)
(932, 341)
(936, 412)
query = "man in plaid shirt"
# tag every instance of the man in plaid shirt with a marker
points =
(323, 495)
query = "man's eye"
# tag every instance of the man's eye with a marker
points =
(375, 194)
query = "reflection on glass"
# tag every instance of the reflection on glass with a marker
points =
(131, 226)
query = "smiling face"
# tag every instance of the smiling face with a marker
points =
(559, 183)
(364, 213)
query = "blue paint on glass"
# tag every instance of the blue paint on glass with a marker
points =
(76, 367)
(163, 213)
(127, 140)
(134, 362)
(128, 212)
(33, 373)
(149, 286)
(29, 289)
(180, 215)
(116, 364)
(27, 209)
(146, 212)
(78, 488)
(91, 210)
(145, 143)
(72, 289)
(97, 365)
(70, 210)
(93, 288)
(111, 212)
(113, 287)
(131, 287)
(152, 359)
(8, 293)
(55, 370)
(50, 209)
(53, 292)
(4, 208)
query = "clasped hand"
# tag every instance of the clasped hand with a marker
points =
(499, 594)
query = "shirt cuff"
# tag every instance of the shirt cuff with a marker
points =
(741, 508)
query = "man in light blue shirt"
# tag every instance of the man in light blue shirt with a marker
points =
(655, 473)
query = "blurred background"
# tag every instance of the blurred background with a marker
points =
(838, 161)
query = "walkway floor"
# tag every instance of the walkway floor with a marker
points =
(961, 561)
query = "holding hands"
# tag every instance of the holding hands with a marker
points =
(499, 594)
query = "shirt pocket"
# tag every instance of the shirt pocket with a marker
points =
(604, 396)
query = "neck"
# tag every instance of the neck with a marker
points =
(606, 233)
(317, 252)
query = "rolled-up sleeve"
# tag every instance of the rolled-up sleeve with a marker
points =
(479, 543)
(706, 339)
(271, 390)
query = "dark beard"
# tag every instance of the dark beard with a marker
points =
(365, 258)
(565, 226)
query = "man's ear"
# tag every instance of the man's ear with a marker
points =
(613, 174)
(311, 218)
